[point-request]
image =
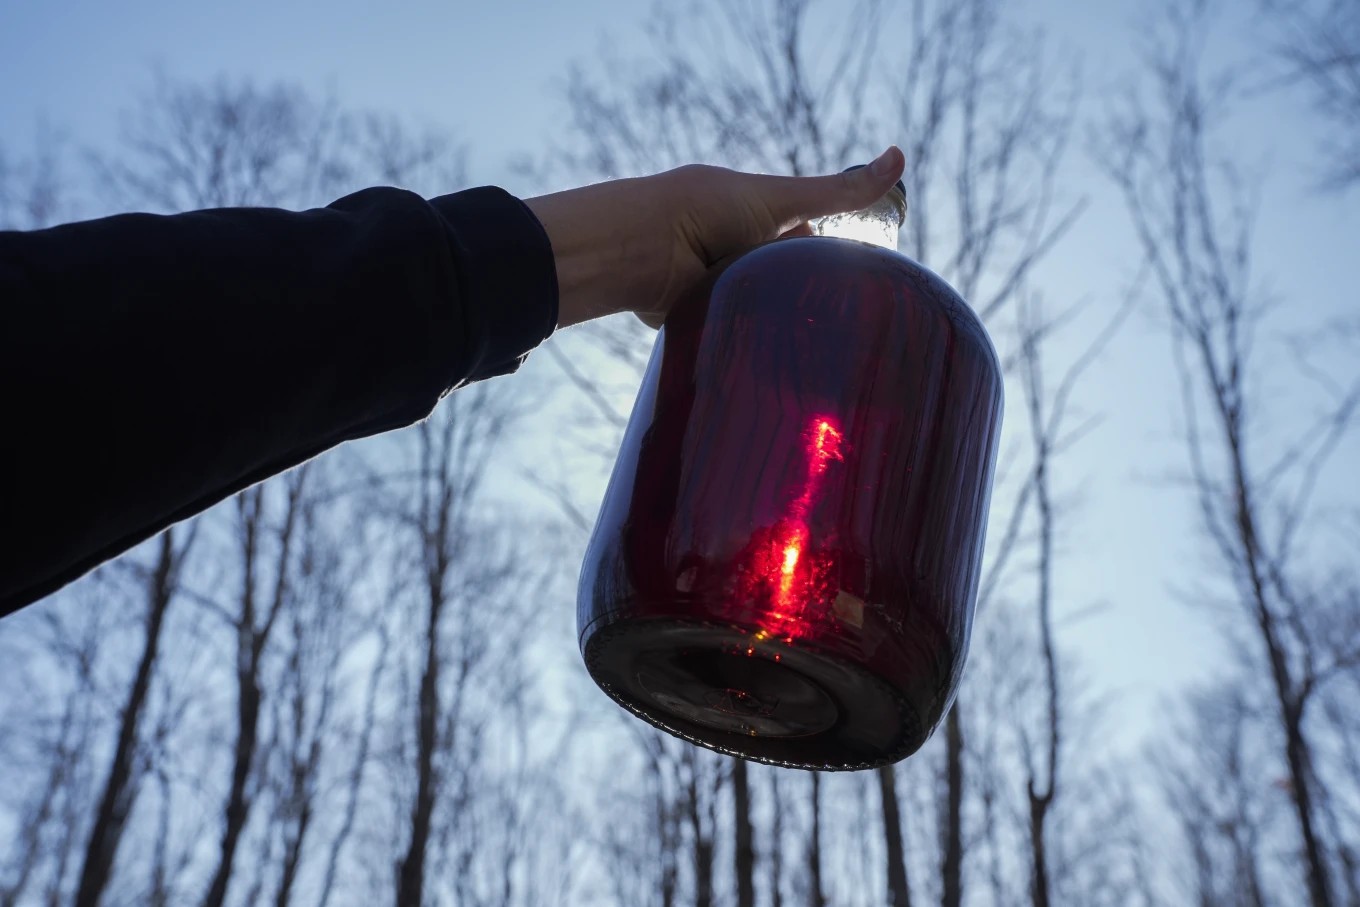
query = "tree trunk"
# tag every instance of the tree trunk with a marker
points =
(1038, 812)
(247, 705)
(703, 873)
(251, 639)
(899, 895)
(1041, 799)
(743, 850)
(29, 849)
(1287, 688)
(292, 856)
(354, 783)
(951, 864)
(1297, 753)
(238, 801)
(160, 892)
(703, 841)
(120, 789)
(668, 837)
(817, 895)
(776, 843)
(411, 874)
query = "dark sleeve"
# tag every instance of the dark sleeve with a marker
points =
(153, 365)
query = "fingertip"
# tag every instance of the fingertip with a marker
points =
(865, 185)
(889, 165)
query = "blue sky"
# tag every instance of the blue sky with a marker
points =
(489, 73)
(483, 70)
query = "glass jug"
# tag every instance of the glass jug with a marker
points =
(785, 564)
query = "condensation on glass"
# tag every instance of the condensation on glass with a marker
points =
(786, 560)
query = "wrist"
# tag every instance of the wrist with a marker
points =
(604, 247)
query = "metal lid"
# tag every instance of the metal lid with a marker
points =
(898, 193)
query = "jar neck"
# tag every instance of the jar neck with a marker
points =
(876, 225)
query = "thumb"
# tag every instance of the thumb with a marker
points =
(791, 199)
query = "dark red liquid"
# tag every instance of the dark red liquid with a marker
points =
(787, 557)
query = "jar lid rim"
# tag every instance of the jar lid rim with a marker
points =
(898, 192)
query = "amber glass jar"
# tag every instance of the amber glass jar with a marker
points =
(785, 564)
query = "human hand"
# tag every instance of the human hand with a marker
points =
(641, 244)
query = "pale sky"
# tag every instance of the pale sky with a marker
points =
(489, 72)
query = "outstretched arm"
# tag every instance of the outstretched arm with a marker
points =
(153, 365)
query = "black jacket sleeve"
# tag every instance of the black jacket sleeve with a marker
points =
(151, 366)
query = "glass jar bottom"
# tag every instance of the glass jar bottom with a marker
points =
(725, 687)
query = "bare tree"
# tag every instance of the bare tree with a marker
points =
(899, 893)
(70, 650)
(189, 146)
(776, 839)
(320, 631)
(1213, 788)
(225, 143)
(743, 850)
(672, 855)
(1317, 44)
(480, 779)
(534, 857)
(355, 775)
(1176, 188)
(460, 575)
(1047, 408)
(1042, 784)
(1341, 803)
(160, 890)
(646, 845)
(33, 188)
(219, 144)
(984, 125)
(267, 571)
(969, 97)
(125, 774)
(951, 795)
(699, 810)
(34, 821)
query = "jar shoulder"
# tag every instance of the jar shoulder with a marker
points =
(788, 266)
